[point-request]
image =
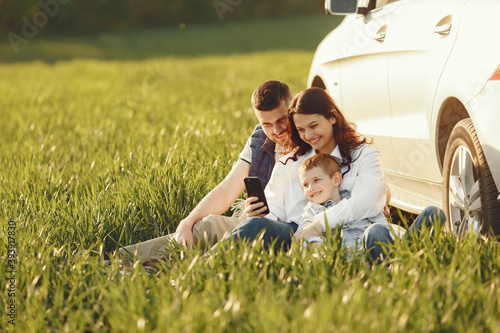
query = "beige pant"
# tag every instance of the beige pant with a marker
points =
(207, 232)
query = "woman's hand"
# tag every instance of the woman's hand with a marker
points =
(313, 229)
(256, 209)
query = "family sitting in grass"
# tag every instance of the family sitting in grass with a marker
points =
(289, 133)
(321, 178)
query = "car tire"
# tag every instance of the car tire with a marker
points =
(469, 191)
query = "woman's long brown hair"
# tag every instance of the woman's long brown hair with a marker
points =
(318, 101)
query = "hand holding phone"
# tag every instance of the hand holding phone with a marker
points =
(255, 189)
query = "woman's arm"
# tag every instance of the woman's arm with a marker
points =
(368, 193)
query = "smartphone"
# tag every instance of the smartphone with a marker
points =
(255, 189)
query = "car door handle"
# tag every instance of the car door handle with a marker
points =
(443, 30)
(443, 27)
(380, 35)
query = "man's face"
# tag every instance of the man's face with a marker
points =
(275, 123)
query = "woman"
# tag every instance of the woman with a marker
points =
(317, 126)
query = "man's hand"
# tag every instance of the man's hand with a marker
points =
(184, 234)
(386, 211)
(254, 209)
(313, 229)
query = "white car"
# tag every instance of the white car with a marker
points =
(422, 78)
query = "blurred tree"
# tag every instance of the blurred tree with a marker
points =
(56, 16)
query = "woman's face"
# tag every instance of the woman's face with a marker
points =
(316, 130)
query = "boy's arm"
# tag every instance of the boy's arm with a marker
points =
(216, 201)
(312, 229)
(309, 225)
(307, 217)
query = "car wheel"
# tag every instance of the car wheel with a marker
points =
(469, 192)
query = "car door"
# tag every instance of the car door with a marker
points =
(420, 37)
(364, 80)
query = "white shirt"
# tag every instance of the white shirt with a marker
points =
(286, 199)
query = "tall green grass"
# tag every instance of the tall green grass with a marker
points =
(112, 145)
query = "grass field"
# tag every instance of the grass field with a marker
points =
(111, 139)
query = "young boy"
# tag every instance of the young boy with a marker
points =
(320, 176)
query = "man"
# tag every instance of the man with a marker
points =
(204, 225)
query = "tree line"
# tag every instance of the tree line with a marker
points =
(22, 17)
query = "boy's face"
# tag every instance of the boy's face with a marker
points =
(318, 186)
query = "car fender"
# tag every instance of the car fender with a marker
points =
(466, 78)
(484, 109)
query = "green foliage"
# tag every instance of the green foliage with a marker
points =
(299, 33)
(62, 16)
(111, 146)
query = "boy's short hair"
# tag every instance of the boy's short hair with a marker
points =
(326, 162)
(268, 95)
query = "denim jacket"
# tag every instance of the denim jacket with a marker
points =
(263, 161)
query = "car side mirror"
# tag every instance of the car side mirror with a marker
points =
(341, 7)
